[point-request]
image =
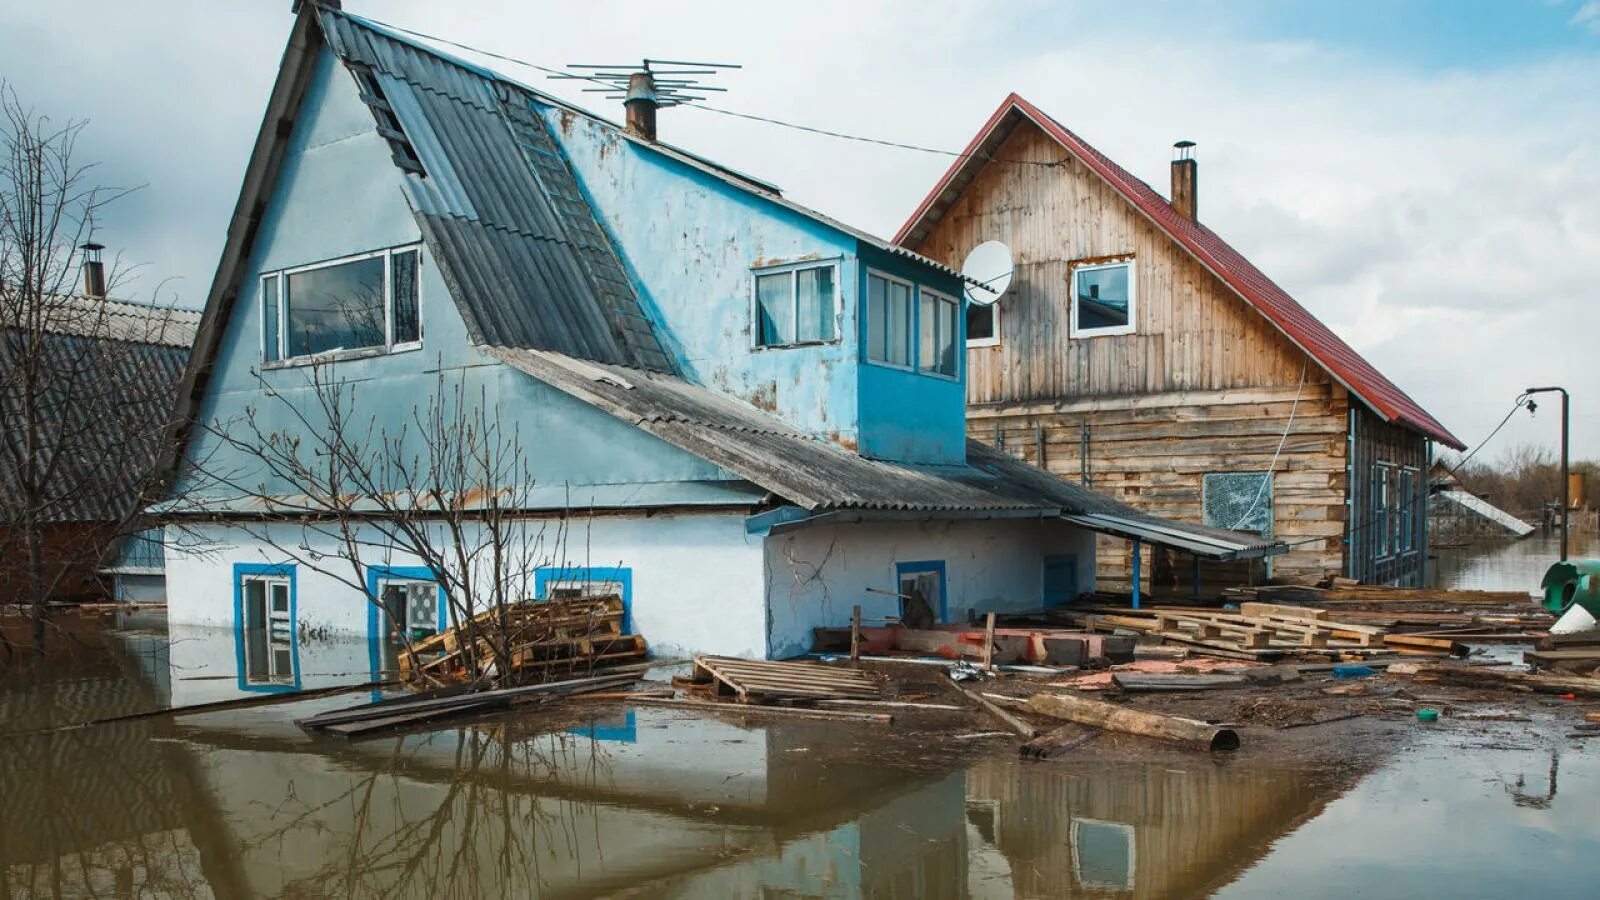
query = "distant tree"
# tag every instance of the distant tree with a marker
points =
(76, 422)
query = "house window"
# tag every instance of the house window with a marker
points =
(266, 631)
(1237, 501)
(983, 325)
(936, 338)
(889, 313)
(1103, 299)
(411, 603)
(797, 305)
(1382, 508)
(921, 583)
(1406, 520)
(366, 302)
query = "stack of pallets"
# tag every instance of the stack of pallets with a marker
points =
(541, 639)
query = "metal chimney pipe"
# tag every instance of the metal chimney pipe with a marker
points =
(94, 272)
(1185, 182)
(641, 104)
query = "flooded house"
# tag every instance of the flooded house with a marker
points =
(1138, 353)
(87, 384)
(741, 416)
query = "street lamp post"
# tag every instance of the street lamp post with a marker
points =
(1566, 485)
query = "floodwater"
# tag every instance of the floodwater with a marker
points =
(651, 802)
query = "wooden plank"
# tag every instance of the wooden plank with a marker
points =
(745, 709)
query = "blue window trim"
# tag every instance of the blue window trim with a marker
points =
(282, 570)
(374, 624)
(620, 574)
(927, 565)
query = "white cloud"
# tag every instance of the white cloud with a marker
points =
(1442, 221)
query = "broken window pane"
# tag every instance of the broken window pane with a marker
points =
(814, 304)
(403, 279)
(980, 323)
(1101, 298)
(337, 307)
(775, 303)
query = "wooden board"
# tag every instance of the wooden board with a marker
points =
(766, 679)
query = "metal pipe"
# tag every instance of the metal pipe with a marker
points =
(1566, 484)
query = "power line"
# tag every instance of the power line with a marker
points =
(568, 75)
(1522, 400)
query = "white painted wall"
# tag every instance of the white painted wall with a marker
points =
(815, 575)
(696, 578)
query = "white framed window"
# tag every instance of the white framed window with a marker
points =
(412, 603)
(937, 332)
(266, 617)
(889, 320)
(1104, 299)
(983, 325)
(368, 302)
(796, 304)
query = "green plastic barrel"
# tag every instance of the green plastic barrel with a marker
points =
(1573, 581)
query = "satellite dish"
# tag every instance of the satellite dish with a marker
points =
(989, 264)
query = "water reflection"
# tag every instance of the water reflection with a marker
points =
(1507, 565)
(651, 802)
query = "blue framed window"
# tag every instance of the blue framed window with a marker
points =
(409, 598)
(926, 577)
(265, 627)
(577, 582)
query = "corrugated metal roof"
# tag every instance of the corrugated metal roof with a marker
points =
(101, 424)
(821, 477)
(1250, 283)
(499, 206)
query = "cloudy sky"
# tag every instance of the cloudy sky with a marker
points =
(1422, 175)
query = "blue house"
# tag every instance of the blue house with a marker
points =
(741, 415)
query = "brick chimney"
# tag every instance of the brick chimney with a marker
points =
(94, 272)
(641, 104)
(1185, 186)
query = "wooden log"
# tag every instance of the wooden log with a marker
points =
(1111, 717)
(1057, 742)
(855, 635)
(1497, 678)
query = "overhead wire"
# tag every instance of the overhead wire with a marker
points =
(570, 75)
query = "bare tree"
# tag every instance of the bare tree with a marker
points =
(446, 487)
(80, 432)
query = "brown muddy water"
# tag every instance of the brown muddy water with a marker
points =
(651, 802)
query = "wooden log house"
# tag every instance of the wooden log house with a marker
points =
(1135, 351)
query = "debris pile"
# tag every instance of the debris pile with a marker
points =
(536, 639)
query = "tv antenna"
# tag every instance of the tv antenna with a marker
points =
(666, 82)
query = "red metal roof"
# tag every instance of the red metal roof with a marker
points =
(1300, 326)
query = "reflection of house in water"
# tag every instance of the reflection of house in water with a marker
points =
(111, 810)
(1151, 830)
(675, 807)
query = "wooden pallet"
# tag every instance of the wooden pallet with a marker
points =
(750, 678)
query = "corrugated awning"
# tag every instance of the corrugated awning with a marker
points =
(1210, 543)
